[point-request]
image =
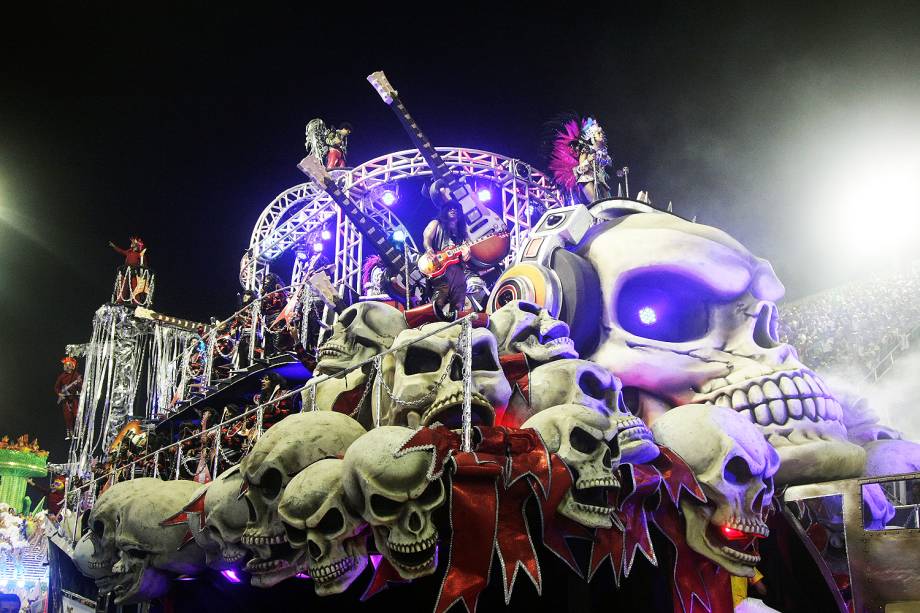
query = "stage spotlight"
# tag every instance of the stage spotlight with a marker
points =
(485, 194)
(326, 235)
(388, 197)
(317, 247)
(398, 236)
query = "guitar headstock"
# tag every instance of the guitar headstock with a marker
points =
(383, 87)
(321, 283)
(314, 169)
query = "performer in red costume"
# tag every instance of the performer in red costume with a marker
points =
(135, 255)
(67, 387)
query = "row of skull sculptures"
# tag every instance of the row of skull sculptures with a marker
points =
(320, 490)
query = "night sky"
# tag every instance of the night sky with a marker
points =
(181, 126)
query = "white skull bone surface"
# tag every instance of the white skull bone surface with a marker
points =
(426, 378)
(285, 449)
(690, 317)
(362, 331)
(523, 327)
(587, 384)
(580, 436)
(95, 553)
(218, 523)
(396, 496)
(318, 521)
(150, 553)
(735, 467)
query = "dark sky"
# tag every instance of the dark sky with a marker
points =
(181, 126)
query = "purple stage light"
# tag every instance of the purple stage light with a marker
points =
(388, 197)
(317, 247)
(484, 195)
(186, 578)
(375, 559)
(647, 316)
(231, 576)
(302, 576)
(325, 235)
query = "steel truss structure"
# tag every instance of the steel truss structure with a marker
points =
(295, 214)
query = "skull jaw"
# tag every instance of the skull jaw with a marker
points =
(449, 411)
(86, 560)
(336, 575)
(635, 441)
(270, 572)
(538, 353)
(818, 459)
(139, 582)
(699, 518)
(408, 563)
(588, 515)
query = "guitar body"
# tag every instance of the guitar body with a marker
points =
(434, 265)
(489, 250)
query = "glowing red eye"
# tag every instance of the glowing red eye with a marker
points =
(734, 535)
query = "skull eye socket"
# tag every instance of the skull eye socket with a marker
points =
(582, 441)
(98, 528)
(332, 522)
(432, 493)
(294, 534)
(348, 317)
(421, 360)
(136, 553)
(365, 342)
(271, 483)
(591, 385)
(737, 471)
(664, 306)
(384, 507)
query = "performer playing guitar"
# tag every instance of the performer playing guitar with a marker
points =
(67, 387)
(449, 289)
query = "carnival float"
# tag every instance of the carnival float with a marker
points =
(607, 420)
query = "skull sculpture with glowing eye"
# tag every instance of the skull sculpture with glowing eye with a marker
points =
(587, 384)
(219, 523)
(579, 436)
(150, 553)
(523, 327)
(362, 331)
(426, 378)
(735, 467)
(396, 496)
(95, 553)
(285, 449)
(689, 317)
(318, 522)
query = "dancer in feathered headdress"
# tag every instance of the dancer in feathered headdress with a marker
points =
(579, 157)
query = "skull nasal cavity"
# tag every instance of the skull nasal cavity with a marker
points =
(591, 385)
(765, 330)
(456, 368)
(420, 360)
(415, 522)
(315, 550)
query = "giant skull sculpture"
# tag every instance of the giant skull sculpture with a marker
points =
(587, 384)
(396, 497)
(426, 378)
(132, 554)
(319, 523)
(523, 327)
(95, 553)
(735, 467)
(217, 519)
(362, 331)
(579, 436)
(285, 449)
(689, 317)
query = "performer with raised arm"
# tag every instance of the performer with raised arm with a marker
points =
(67, 387)
(135, 254)
(579, 158)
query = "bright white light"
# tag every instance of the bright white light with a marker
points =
(326, 235)
(388, 197)
(647, 316)
(399, 236)
(317, 247)
(484, 195)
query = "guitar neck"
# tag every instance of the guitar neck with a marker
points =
(392, 258)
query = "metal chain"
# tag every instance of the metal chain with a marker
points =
(432, 392)
(466, 343)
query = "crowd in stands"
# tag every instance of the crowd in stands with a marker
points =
(854, 325)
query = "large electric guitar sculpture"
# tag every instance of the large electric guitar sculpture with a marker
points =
(392, 258)
(480, 220)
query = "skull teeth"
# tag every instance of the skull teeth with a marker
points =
(746, 558)
(331, 350)
(789, 396)
(750, 526)
(602, 482)
(264, 540)
(329, 572)
(591, 508)
(413, 547)
(264, 566)
(454, 401)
